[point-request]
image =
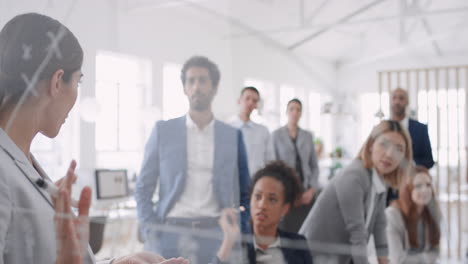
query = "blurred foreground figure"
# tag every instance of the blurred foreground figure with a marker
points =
(40, 69)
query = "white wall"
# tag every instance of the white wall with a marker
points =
(357, 79)
(173, 34)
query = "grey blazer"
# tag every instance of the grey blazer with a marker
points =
(27, 232)
(337, 221)
(284, 150)
(398, 242)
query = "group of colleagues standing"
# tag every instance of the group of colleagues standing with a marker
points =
(203, 166)
(205, 183)
(200, 163)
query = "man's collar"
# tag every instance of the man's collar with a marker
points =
(191, 124)
(238, 120)
(405, 122)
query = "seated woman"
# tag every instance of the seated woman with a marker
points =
(413, 229)
(351, 208)
(274, 190)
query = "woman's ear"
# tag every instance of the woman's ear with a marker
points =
(285, 209)
(55, 83)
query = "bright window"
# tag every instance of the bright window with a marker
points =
(123, 91)
(370, 110)
(175, 103)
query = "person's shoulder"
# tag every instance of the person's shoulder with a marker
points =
(392, 211)
(6, 167)
(260, 127)
(355, 173)
(356, 167)
(226, 126)
(417, 124)
(393, 215)
(307, 132)
(290, 235)
(279, 130)
(234, 121)
(170, 122)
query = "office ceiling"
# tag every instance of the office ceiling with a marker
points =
(339, 31)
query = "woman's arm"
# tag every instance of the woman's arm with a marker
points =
(350, 192)
(380, 232)
(5, 213)
(395, 236)
(231, 231)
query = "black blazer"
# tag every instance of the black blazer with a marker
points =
(422, 151)
(291, 255)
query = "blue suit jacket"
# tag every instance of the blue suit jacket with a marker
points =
(422, 151)
(165, 164)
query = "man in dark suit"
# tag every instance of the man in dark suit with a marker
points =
(422, 151)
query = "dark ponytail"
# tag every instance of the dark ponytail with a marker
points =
(32, 48)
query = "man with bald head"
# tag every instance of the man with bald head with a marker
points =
(422, 151)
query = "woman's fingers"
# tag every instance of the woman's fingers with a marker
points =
(69, 178)
(85, 202)
(175, 261)
(232, 216)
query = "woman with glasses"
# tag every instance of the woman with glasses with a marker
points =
(352, 205)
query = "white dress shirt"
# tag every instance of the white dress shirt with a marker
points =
(258, 146)
(272, 255)
(378, 187)
(198, 199)
(405, 123)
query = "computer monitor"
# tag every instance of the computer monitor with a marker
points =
(111, 184)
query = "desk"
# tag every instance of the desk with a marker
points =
(119, 233)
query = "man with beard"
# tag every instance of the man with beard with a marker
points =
(422, 151)
(200, 167)
(421, 145)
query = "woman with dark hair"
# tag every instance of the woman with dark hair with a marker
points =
(295, 146)
(413, 231)
(274, 190)
(40, 71)
(351, 208)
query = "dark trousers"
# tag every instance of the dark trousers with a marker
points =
(293, 220)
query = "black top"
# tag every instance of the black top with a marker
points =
(291, 255)
(299, 171)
